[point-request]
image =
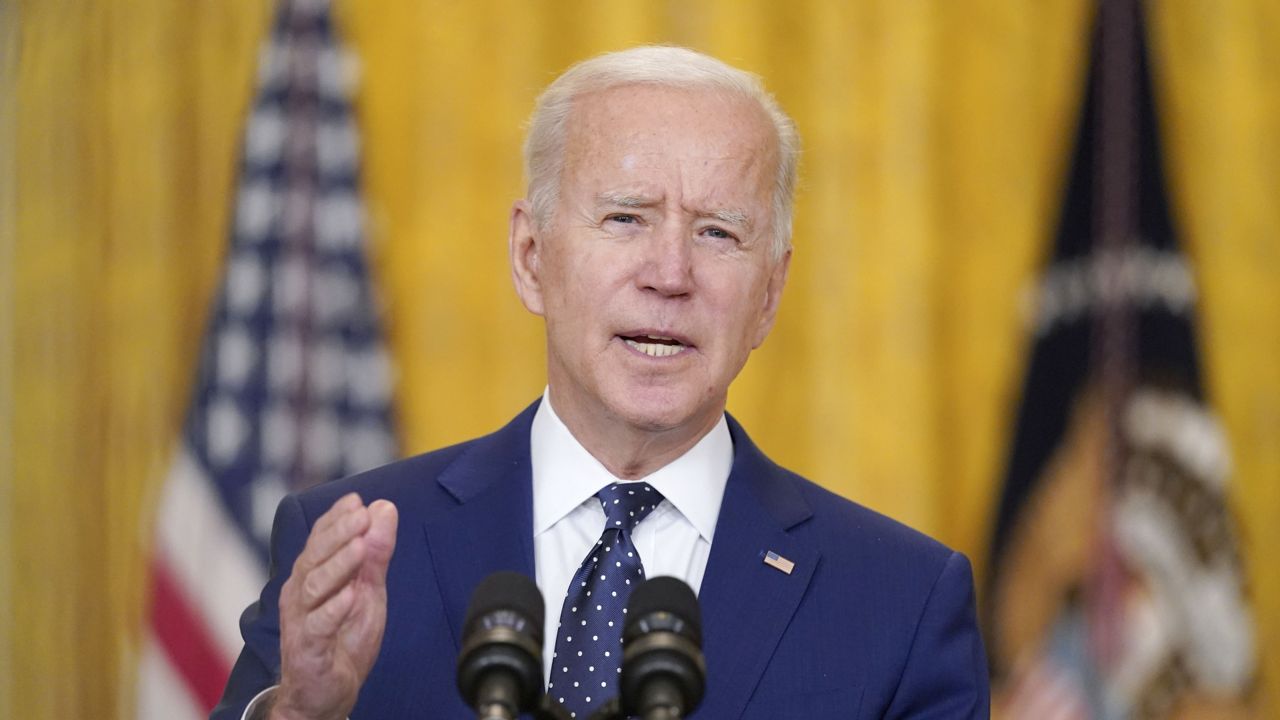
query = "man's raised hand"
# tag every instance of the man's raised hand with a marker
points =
(333, 609)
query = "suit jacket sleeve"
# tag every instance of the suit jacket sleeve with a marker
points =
(258, 666)
(946, 670)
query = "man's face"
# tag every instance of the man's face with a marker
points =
(655, 274)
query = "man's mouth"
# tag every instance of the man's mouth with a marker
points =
(654, 345)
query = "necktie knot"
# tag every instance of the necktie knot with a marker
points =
(626, 504)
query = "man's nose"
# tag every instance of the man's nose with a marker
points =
(668, 263)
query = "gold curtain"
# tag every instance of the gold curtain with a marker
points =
(935, 139)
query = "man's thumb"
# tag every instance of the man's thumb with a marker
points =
(381, 536)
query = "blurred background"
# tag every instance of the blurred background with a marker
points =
(937, 167)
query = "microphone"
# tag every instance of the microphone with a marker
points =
(663, 671)
(500, 665)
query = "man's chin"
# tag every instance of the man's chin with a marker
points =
(662, 413)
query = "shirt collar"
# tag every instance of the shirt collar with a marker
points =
(565, 475)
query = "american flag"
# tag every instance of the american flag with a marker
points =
(1117, 587)
(294, 385)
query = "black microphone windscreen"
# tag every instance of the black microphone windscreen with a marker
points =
(664, 595)
(507, 591)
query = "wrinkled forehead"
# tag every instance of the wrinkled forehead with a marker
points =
(634, 130)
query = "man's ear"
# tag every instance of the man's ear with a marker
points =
(773, 296)
(524, 245)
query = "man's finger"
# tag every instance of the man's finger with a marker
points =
(325, 540)
(384, 518)
(340, 509)
(324, 621)
(328, 577)
(381, 538)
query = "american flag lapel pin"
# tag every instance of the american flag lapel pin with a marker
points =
(777, 562)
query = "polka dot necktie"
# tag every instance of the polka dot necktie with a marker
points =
(588, 655)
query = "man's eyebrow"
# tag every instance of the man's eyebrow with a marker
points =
(729, 217)
(625, 200)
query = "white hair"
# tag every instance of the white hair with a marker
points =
(664, 65)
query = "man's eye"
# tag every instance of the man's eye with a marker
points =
(623, 218)
(718, 233)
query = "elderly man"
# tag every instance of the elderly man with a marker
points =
(654, 243)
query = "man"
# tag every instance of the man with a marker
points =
(655, 243)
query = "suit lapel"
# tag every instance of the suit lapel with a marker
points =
(491, 526)
(747, 604)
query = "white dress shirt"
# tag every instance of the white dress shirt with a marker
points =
(675, 539)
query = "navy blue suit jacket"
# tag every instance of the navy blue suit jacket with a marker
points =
(875, 621)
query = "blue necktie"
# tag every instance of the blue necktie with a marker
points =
(584, 669)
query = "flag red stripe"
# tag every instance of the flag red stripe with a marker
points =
(186, 640)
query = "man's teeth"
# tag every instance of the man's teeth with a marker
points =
(654, 349)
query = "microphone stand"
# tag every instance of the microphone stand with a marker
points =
(612, 710)
(549, 709)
